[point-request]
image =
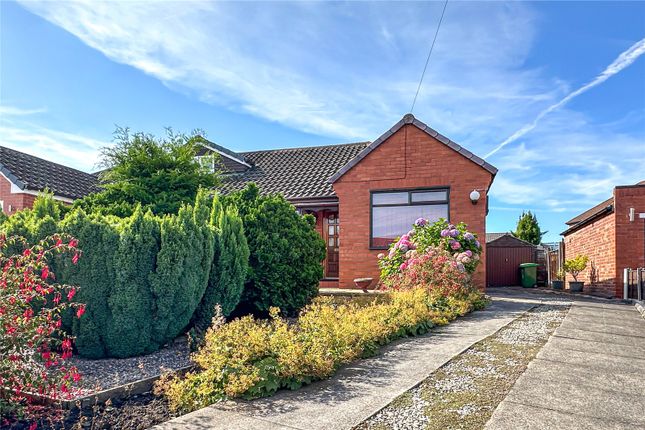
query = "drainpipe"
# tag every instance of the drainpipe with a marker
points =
(625, 283)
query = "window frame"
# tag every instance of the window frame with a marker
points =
(410, 191)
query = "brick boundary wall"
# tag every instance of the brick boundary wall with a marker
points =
(630, 235)
(612, 242)
(595, 240)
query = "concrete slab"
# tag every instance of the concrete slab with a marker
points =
(512, 416)
(598, 327)
(361, 389)
(594, 361)
(635, 350)
(614, 338)
(606, 316)
(544, 371)
(580, 397)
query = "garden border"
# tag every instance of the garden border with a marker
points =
(122, 391)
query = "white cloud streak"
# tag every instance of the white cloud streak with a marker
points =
(69, 149)
(16, 111)
(340, 70)
(624, 60)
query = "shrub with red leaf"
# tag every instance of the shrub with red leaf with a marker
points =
(33, 347)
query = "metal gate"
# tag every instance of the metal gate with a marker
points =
(634, 283)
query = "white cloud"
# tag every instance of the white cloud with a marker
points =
(343, 70)
(571, 164)
(62, 147)
(16, 111)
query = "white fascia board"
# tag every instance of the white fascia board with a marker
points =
(210, 148)
(15, 189)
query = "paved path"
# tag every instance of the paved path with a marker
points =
(589, 375)
(359, 390)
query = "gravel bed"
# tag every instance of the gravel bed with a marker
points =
(108, 373)
(465, 392)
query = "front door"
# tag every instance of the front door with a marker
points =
(332, 231)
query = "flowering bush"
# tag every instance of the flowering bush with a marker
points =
(33, 348)
(276, 354)
(454, 239)
(435, 270)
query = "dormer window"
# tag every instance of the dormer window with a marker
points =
(207, 161)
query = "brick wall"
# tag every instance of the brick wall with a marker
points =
(612, 243)
(630, 235)
(597, 241)
(409, 158)
(17, 201)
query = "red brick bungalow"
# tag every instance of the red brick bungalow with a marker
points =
(612, 235)
(374, 190)
(366, 194)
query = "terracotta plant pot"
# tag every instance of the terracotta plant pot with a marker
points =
(557, 284)
(576, 287)
(363, 283)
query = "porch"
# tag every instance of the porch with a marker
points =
(328, 226)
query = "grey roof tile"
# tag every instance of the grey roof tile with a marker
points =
(35, 174)
(297, 173)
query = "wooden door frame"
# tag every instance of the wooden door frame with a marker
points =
(325, 236)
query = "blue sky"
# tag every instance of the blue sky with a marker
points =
(272, 75)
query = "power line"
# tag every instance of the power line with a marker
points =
(429, 54)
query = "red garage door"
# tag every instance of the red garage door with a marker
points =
(502, 265)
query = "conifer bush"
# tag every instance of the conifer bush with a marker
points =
(131, 301)
(97, 272)
(286, 253)
(229, 266)
(143, 276)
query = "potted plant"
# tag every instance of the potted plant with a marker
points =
(574, 267)
(363, 283)
(558, 282)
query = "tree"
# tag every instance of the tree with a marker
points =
(528, 229)
(160, 174)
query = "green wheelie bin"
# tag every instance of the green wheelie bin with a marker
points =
(529, 274)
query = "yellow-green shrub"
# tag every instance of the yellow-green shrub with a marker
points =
(250, 358)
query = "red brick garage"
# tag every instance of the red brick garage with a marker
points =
(504, 255)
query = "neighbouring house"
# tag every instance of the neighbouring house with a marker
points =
(366, 194)
(23, 176)
(612, 235)
(363, 195)
(505, 253)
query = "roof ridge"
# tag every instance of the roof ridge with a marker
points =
(334, 145)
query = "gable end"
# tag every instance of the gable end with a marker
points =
(410, 119)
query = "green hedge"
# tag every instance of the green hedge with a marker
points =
(143, 276)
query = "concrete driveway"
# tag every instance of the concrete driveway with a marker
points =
(589, 375)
